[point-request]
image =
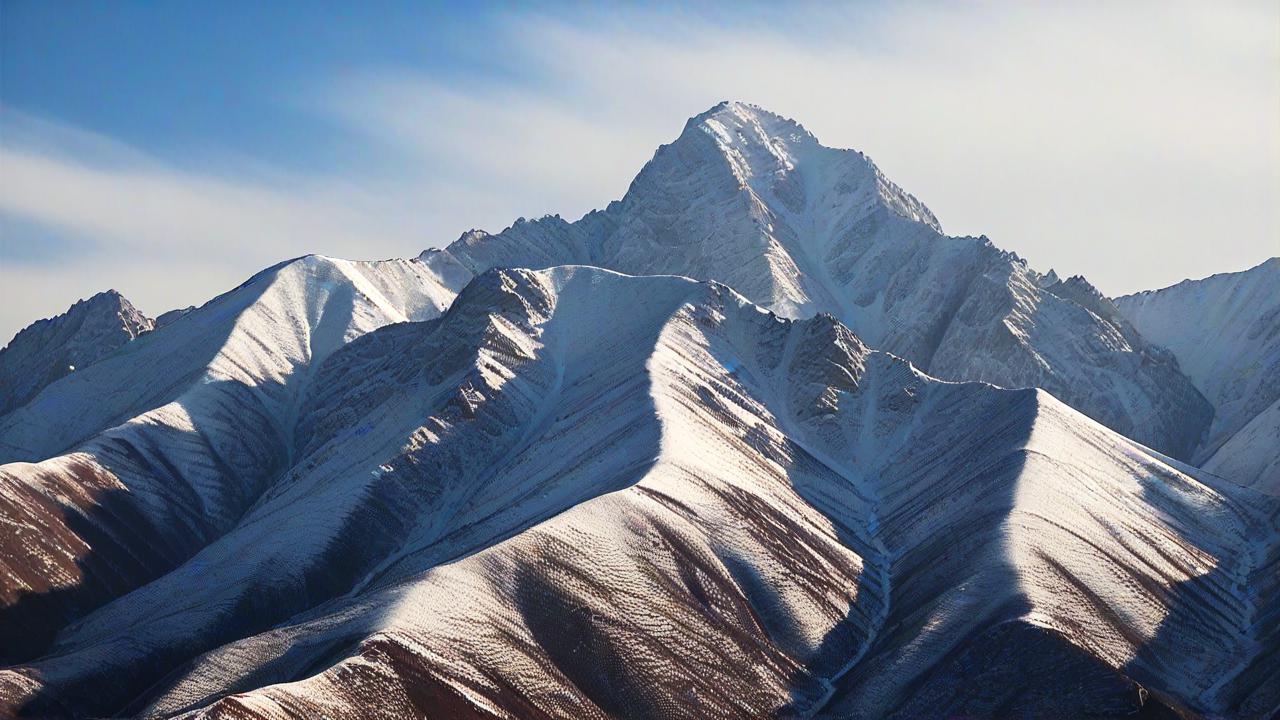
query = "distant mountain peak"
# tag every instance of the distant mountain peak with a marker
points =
(1225, 332)
(48, 349)
(749, 198)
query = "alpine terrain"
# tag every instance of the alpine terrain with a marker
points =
(756, 440)
(1225, 332)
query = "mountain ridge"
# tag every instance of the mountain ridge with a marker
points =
(1225, 331)
(48, 349)
(718, 477)
(551, 424)
(801, 228)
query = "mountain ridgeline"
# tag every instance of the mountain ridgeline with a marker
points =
(756, 440)
(752, 200)
(50, 349)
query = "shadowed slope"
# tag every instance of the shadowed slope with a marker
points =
(1225, 332)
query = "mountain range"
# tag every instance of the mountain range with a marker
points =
(756, 440)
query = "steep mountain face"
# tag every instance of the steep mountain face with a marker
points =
(752, 200)
(1225, 332)
(135, 462)
(50, 349)
(582, 494)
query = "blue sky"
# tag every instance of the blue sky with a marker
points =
(172, 149)
(178, 77)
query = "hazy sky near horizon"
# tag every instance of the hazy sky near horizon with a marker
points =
(170, 150)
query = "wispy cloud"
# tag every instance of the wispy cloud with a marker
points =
(80, 213)
(1135, 144)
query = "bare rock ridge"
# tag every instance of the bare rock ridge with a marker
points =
(1225, 332)
(49, 349)
(752, 200)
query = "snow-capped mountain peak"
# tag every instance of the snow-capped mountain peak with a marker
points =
(765, 150)
(49, 349)
(753, 200)
(715, 450)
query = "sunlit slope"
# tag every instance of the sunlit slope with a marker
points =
(151, 453)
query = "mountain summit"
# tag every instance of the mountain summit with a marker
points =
(750, 199)
(49, 349)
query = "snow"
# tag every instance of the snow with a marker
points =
(48, 349)
(1225, 332)
(703, 480)
(1251, 456)
(732, 511)
(752, 200)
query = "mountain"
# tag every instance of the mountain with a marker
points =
(49, 349)
(756, 440)
(577, 493)
(1251, 456)
(1225, 332)
(752, 200)
(146, 456)
(165, 318)
(259, 339)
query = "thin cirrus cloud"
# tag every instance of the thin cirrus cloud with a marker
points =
(81, 213)
(1137, 145)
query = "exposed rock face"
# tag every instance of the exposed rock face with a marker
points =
(752, 200)
(50, 349)
(1225, 332)
(582, 494)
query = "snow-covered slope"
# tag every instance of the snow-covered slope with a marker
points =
(445, 487)
(583, 494)
(157, 449)
(49, 349)
(1225, 332)
(1251, 456)
(752, 200)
